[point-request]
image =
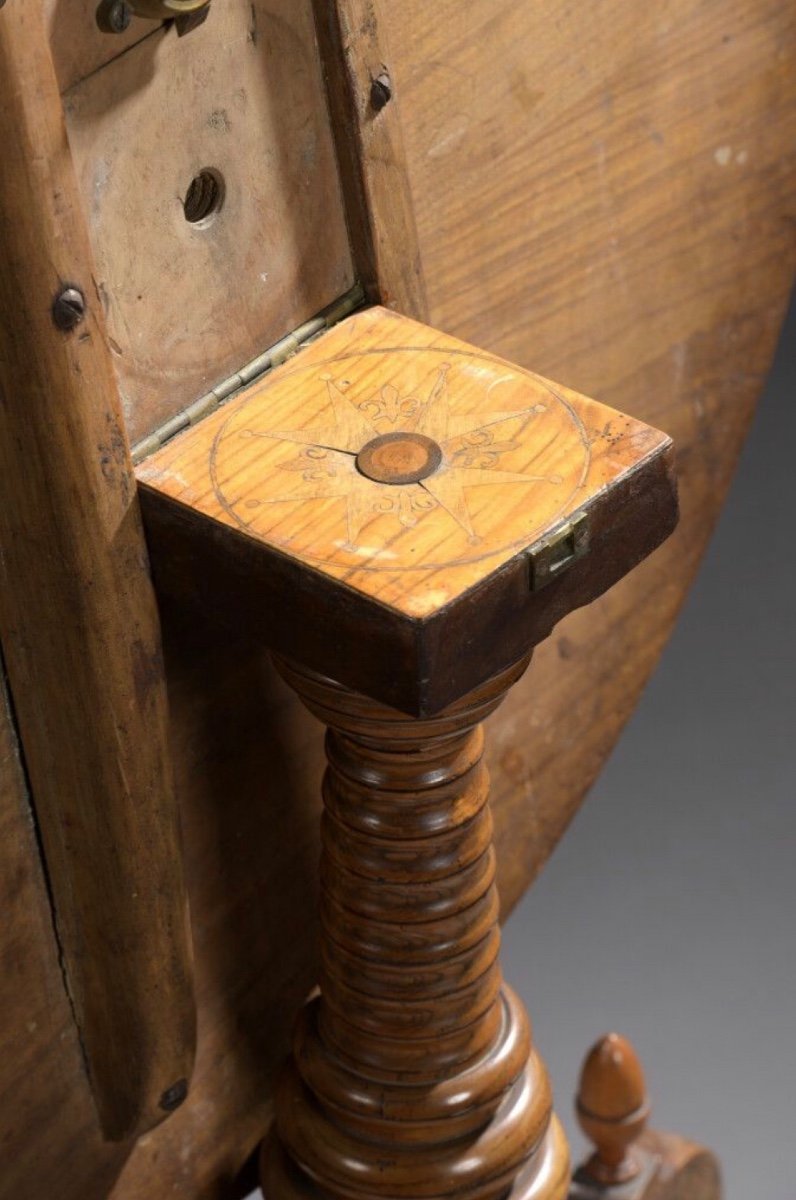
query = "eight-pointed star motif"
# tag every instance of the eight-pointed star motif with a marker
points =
(332, 446)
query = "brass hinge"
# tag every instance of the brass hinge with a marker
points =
(274, 356)
(556, 553)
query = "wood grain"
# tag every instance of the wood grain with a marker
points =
(502, 457)
(37, 1093)
(79, 627)
(686, 1172)
(188, 303)
(605, 236)
(605, 194)
(413, 1073)
(288, 510)
(368, 130)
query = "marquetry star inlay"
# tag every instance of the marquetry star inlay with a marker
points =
(471, 446)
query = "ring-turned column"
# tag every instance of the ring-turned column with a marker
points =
(413, 1073)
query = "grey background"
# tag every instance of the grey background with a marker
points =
(668, 912)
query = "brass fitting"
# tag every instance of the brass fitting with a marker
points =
(114, 16)
(166, 10)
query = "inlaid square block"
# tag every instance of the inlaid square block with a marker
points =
(448, 507)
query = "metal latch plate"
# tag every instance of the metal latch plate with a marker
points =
(555, 554)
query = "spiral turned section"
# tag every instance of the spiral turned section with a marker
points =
(413, 1076)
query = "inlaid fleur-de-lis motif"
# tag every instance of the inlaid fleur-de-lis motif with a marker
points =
(408, 504)
(315, 464)
(390, 406)
(481, 449)
(470, 452)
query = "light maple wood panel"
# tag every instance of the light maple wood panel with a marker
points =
(242, 97)
(306, 462)
(605, 193)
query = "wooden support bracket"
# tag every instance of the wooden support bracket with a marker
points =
(78, 622)
(365, 112)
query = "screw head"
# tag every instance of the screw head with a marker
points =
(174, 1096)
(69, 308)
(114, 16)
(380, 91)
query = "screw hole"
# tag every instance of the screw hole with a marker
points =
(205, 196)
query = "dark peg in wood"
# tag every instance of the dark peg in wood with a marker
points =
(114, 16)
(69, 308)
(380, 91)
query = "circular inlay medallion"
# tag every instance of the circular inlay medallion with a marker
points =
(490, 455)
(399, 458)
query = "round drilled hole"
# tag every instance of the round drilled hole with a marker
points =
(204, 197)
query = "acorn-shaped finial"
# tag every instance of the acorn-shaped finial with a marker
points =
(612, 1109)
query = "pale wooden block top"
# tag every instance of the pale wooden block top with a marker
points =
(400, 461)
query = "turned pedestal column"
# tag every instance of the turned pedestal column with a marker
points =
(414, 1067)
(402, 518)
